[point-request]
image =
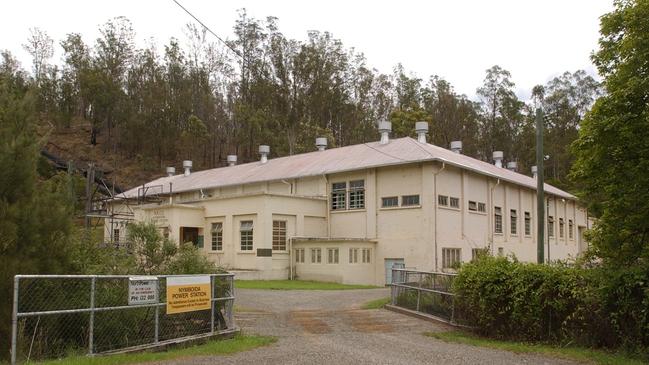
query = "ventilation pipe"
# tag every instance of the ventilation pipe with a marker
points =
(171, 171)
(498, 158)
(422, 129)
(534, 171)
(187, 165)
(232, 160)
(512, 166)
(385, 128)
(264, 150)
(456, 146)
(321, 143)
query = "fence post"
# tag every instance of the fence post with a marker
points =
(156, 330)
(91, 330)
(212, 303)
(231, 302)
(14, 322)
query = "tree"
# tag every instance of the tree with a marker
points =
(41, 47)
(612, 151)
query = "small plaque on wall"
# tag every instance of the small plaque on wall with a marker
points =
(264, 252)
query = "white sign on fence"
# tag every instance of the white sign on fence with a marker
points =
(142, 290)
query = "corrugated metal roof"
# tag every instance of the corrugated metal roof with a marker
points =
(342, 159)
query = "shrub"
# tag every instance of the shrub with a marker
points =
(600, 306)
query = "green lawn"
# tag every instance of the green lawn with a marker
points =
(295, 285)
(376, 303)
(570, 353)
(217, 347)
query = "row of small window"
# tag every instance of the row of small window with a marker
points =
(452, 257)
(406, 201)
(445, 201)
(333, 255)
(513, 224)
(246, 236)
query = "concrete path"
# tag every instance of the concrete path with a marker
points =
(328, 327)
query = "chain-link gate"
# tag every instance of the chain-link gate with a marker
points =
(61, 315)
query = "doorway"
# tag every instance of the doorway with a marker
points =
(392, 263)
(189, 234)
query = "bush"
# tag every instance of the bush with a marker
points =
(598, 307)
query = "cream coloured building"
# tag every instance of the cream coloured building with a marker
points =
(346, 214)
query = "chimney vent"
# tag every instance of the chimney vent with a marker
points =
(456, 146)
(187, 165)
(498, 158)
(385, 128)
(232, 160)
(264, 150)
(171, 171)
(321, 143)
(422, 129)
(512, 166)
(534, 171)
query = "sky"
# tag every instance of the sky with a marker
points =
(457, 39)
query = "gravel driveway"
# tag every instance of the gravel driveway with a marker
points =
(328, 327)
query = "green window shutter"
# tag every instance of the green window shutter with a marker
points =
(200, 242)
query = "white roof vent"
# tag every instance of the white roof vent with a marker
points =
(385, 128)
(498, 158)
(187, 165)
(422, 129)
(456, 146)
(321, 143)
(171, 171)
(534, 171)
(264, 151)
(512, 166)
(232, 160)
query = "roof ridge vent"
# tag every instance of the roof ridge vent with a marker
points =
(385, 128)
(498, 158)
(171, 171)
(264, 151)
(321, 143)
(422, 129)
(187, 165)
(232, 160)
(456, 146)
(535, 172)
(512, 166)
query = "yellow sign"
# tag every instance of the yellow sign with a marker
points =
(188, 293)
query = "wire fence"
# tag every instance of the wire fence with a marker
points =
(62, 315)
(425, 292)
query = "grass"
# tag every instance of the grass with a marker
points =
(296, 285)
(376, 303)
(218, 347)
(570, 353)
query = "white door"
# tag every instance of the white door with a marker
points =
(389, 264)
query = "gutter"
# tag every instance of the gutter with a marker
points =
(492, 226)
(435, 202)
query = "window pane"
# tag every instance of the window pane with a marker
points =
(472, 205)
(528, 224)
(455, 203)
(217, 236)
(513, 221)
(498, 220)
(482, 207)
(246, 235)
(442, 200)
(391, 201)
(357, 194)
(409, 200)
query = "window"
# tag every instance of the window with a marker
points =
(316, 255)
(338, 194)
(299, 255)
(455, 203)
(353, 255)
(357, 194)
(560, 227)
(477, 253)
(279, 235)
(570, 228)
(246, 235)
(513, 220)
(450, 257)
(550, 226)
(498, 220)
(217, 236)
(391, 201)
(500, 251)
(528, 224)
(473, 206)
(165, 232)
(409, 200)
(366, 255)
(482, 207)
(442, 200)
(332, 255)
(115, 235)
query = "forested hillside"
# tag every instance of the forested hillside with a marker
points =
(136, 110)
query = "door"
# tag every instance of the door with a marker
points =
(392, 263)
(189, 234)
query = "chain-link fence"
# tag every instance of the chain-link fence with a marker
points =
(62, 315)
(425, 292)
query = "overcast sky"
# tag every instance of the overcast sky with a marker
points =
(456, 39)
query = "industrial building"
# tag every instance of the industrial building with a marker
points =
(349, 214)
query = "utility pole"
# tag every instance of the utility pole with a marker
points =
(540, 200)
(90, 181)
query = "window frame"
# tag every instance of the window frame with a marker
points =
(277, 235)
(561, 227)
(248, 235)
(498, 220)
(452, 199)
(442, 200)
(339, 196)
(451, 256)
(513, 222)
(392, 198)
(366, 254)
(571, 227)
(528, 224)
(356, 195)
(316, 255)
(405, 200)
(333, 255)
(483, 206)
(353, 255)
(216, 236)
(550, 226)
(299, 256)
